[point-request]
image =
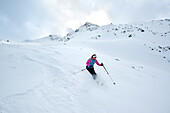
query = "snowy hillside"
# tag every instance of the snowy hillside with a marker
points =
(44, 75)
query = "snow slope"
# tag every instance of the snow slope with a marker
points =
(38, 76)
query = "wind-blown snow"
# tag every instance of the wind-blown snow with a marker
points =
(39, 76)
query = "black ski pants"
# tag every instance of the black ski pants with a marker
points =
(92, 72)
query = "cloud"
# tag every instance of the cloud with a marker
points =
(32, 19)
(125, 11)
(18, 12)
(4, 20)
(73, 13)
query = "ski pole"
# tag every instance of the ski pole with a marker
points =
(109, 75)
(79, 71)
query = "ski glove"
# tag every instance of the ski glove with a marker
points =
(102, 64)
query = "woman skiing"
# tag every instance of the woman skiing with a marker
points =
(90, 63)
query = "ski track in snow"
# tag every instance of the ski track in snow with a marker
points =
(59, 90)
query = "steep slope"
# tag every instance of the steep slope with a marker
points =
(38, 77)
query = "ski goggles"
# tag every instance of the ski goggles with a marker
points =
(94, 56)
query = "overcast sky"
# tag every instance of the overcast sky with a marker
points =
(31, 19)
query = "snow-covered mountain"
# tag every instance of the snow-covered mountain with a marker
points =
(155, 28)
(44, 75)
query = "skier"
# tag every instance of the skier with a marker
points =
(90, 63)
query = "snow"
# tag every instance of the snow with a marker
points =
(39, 76)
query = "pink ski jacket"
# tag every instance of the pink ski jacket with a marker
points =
(91, 62)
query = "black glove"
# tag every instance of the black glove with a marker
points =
(102, 64)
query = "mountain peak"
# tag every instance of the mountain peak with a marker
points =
(88, 24)
(88, 27)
